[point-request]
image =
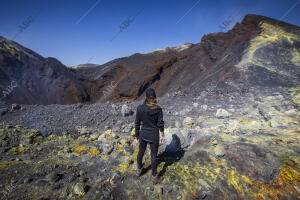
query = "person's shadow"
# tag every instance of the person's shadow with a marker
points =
(173, 153)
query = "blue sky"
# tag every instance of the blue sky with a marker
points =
(81, 31)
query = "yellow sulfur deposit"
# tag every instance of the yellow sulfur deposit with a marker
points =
(19, 149)
(79, 149)
(93, 152)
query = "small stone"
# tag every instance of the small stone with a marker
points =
(127, 127)
(116, 176)
(126, 111)
(116, 128)
(214, 142)
(94, 136)
(159, 190)
(55, 166)
(222, 113)
(204, 107)
(231, 110)
(67, 149)
(56, 187)
(123, 141)
(105, 148)
(291, 112)
(219, 150)
(53, 177)
(129, 161)
(188, 122)
(203, 183)
(195, 105)
(178, 124)
(83, 131)
(27, 180)
(15, 107)
(81, 173)
(39, 148)
(80, 189)
(65, 133)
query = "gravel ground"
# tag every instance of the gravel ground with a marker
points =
(68, 119)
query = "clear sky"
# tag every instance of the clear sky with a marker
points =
(97, 31)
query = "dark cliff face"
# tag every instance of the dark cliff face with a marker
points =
(258, 51)
(37, 80)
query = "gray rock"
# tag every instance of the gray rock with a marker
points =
(219, 151)
(94, 136)
(214, 141)
(128, 161)
(30, 138)
(83, 130)
(222, 113)
(15, 107)
(105, 148)
(39, 148)
(116, 176)
(178, 124)
(27, 180)
(81, 173)
(67, 149)
(204, 107)
(53, 177)
(126, 111)
(127, 127)
(116, 128)
(253, 161)
(188, 122)
(264, 112)
(80, 189)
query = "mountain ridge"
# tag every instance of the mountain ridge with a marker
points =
(190, 67)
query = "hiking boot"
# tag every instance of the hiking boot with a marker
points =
(156, 179)
(139, 172)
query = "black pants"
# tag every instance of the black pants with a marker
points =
(154, 150)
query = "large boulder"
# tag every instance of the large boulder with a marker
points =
(253, 161)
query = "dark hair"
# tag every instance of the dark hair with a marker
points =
(150, 99)
(150, 92)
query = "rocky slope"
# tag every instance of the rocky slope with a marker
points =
(236, 146)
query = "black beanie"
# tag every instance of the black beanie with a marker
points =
(150, 92)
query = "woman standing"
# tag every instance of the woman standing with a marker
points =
(150, 116)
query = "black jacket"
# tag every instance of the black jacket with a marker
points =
(151, 121)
